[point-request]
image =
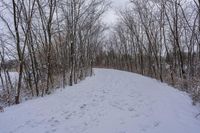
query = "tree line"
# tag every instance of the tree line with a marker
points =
(52, 43)
(160, 39)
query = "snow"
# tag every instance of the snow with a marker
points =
(111, 101)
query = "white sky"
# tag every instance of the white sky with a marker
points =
(111, 16)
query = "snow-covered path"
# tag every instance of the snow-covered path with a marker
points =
(109, 102)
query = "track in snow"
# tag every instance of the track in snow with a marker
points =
(109, 102)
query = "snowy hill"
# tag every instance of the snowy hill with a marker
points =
(109, 102)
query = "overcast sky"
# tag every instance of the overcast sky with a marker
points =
(111, 16)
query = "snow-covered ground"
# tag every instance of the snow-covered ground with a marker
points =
(109, 102)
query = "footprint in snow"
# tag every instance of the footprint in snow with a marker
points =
(68, 116)
(53, 122)
(156, 124)
(65, 112)
(83, 106)
(131, 109)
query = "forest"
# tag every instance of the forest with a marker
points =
(51, 44)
